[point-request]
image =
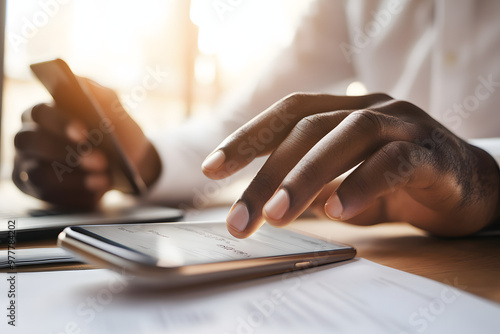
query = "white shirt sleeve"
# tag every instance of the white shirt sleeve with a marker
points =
(312, 62)
(490, 145)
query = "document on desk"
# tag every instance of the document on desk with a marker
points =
(357, 296)
(37, 256)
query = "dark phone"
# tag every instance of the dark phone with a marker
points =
(73, 97)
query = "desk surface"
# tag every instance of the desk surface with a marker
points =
(472, 264)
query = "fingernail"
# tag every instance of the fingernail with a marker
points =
(333, 207)
(214, 160)
(96, 182)
(76, 132)
(278, 205)
(93, 162)
(238, 217)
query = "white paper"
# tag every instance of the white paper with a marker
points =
(358, 296)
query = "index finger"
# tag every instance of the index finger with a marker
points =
(265, 132)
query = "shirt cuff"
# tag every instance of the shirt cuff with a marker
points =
(490, 145)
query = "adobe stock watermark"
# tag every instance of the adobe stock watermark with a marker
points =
(407, 165)
(222, 7)
(455, 116)
(31, 25)
(95, 138)
(248, 149)
(423, 318)
(12, 279)
(263, 309)
(153, 78)
(255, 144)
(363, 37)
(90, 308)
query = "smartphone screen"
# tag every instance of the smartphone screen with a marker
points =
(184, 244)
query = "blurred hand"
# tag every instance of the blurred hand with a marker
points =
(58, 159)
(410, 169)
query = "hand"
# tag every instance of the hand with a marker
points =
(411, 168)
(58, 159)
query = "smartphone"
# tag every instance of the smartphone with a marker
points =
(73, 97)
(191, 253)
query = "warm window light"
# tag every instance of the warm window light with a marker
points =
(204, 70)
(120, 42)
(91, 35)
(356, 88)
(116, 31)
(239, 32)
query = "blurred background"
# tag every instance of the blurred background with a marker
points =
(200, 51)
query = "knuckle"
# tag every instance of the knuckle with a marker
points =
(405, 109)
(39, 106)
(43, 111)
(359, 185)
(27, 114)
(400, 105)
(404, 153)
(307, 174)
(313, 124)
(393, 150)
(379, 97)
(33, 114)
(20, 139)
(296, 98)
(37, 175)
(391, 155)
(264, 183)
(367, 121)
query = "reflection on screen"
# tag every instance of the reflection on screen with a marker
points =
(178, 244)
